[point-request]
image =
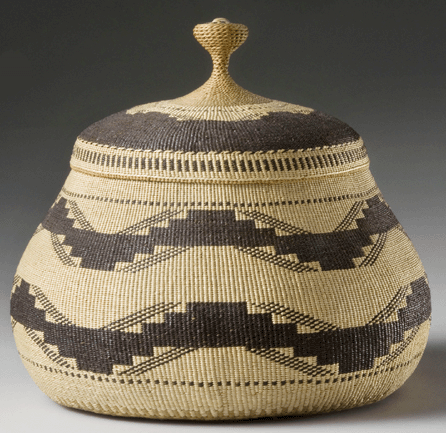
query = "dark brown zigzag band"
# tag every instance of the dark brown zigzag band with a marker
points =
(333, 250)
(98, 350)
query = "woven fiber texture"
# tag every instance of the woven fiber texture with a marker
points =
(220, 260)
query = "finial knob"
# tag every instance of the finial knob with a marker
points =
(220, 38)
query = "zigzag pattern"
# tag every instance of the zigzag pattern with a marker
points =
(155, 259)
(401, 347)
(350, 217)
(391, 307)
(224, 324)
(276, 260)
(157, 361)
(140, 316)
(333, 250)
(296, 317)
(292, 362)
(60, 251)
(371, 258)
(50, 353)
(80, 217)
(149, 222)
(50, 309)
(273, 222)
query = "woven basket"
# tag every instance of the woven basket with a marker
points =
(219, 256)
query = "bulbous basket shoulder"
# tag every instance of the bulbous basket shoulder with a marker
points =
(163, 300)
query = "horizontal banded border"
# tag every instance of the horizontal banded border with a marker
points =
(220, 383)
(225, 204)
(110, 161)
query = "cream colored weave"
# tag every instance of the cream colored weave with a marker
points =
(278, 284)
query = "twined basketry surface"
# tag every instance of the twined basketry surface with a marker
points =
(220, 256)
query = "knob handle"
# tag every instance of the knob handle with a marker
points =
(220, 38)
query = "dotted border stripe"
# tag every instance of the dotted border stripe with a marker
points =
(373, 191)
(246, 383)
(133, 149)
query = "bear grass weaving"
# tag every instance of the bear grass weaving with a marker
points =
(219, 256)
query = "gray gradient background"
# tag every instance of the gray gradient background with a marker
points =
(378, 65)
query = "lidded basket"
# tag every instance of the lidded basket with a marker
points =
(218, 256)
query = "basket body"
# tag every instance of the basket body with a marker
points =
(195, 300)
(219, 256)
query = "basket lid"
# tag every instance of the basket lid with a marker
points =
(219, 132)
